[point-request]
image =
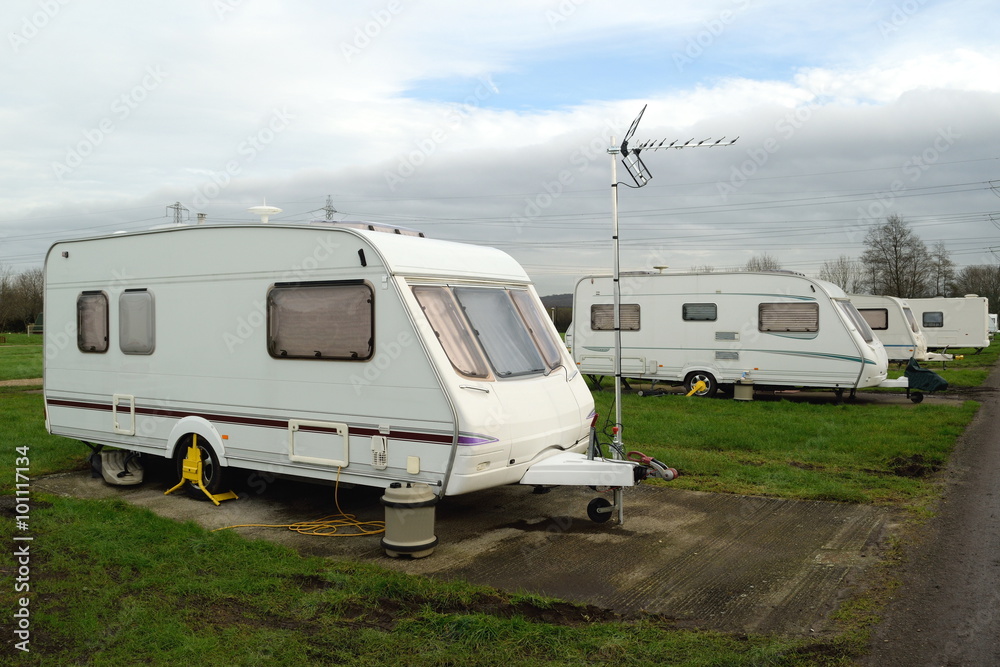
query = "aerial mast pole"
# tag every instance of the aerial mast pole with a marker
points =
(640, 174)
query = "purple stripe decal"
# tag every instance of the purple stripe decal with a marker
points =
(465, 439)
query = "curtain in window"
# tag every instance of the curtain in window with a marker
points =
(501, 331)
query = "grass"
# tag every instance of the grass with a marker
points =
(868, 453)
(116, 584)
(20, 357)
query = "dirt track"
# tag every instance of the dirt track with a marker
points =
(948, 610)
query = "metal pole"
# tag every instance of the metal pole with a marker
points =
(617, 449)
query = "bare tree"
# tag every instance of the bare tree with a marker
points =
(942, 270)
(897, 260)
(22, 296)
(705, 268)
(982, 279)
(845, 273)
(763, 262)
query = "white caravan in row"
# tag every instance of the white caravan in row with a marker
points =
(778, 329)
(893, 322)
(950, 322)
(315, 351)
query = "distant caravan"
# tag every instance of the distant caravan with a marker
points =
(957, 322)
(893, 322)
(776, 329)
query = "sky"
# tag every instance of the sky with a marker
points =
(491, 123)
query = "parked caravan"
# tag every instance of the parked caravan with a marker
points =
(316, 351)
(893, 322)
(777, 329)
(993, 324)
(949, 322)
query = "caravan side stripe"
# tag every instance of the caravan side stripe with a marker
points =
(466, 439)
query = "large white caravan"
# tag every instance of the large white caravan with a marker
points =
(950, 322)
(893, 322)
(774, 328)
(315, 351)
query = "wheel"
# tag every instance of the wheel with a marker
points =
(596, 504)
(711, 384)
(211, 471)
(917, 396)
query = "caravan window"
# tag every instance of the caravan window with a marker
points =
(537, 327)
(135, 322)
(500, 331)
(452, 330)
(933, 320)
(912, 320)
(92, 322)
(787, 317)
(859, 322)
(699, 312)
(602, 317)
(501, 327)
(321, 320)
(877, 318)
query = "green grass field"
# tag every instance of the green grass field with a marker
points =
(115, 584)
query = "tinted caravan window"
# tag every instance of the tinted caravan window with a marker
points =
(602, 317)
(933, 319)
(322, 320)
(92, 322)
(788, 317)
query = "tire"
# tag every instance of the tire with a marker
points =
(211, 471)
(711, 384)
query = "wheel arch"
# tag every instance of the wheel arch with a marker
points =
(203, 429)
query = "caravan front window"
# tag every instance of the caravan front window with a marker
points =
(452, 330)
(859, 322)
(912, 320)
(500, 330)
(499, 326)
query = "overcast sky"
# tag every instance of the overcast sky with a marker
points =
(490, 123)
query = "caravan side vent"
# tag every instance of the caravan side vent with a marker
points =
(727, 356)
(380, 457)
(726, 335)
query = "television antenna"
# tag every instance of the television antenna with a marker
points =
(641, 176)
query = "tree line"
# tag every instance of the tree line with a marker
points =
(896, 262)
(20, 298)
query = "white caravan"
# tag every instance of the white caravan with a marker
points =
(993, 324)
(315, 351)
(777, 329)
(893, 322)
(950, 322)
